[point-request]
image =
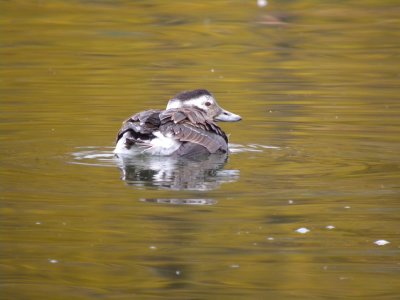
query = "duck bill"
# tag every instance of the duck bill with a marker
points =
(227, 116)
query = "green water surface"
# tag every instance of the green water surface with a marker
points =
(317, 86)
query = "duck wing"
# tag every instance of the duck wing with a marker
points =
(141, 125)
(192, 125)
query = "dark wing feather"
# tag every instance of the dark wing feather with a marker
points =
(178, 116)
(192, 125)
(141, 125)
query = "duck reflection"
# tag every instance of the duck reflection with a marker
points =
(180, 201)
(176, 173)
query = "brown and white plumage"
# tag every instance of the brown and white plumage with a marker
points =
(186, 127)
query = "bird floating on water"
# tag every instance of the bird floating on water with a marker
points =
(186, 127)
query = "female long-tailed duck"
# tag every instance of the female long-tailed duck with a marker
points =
(186, 127)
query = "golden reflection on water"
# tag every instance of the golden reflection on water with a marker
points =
(317, 86)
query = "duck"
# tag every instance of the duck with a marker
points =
(186, 127)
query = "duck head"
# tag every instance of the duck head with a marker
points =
(204, 100)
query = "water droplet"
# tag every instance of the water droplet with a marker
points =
(381, 242)
(302, 230)
(262, 3)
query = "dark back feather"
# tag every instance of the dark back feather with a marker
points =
(190, 125)
(141, 124)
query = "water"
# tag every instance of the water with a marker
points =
(305, 206)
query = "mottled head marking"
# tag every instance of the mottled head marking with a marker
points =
(187, 95)
(203, 100)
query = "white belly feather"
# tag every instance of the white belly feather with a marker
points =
(160, 145)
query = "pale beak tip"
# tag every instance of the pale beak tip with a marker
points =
(228, 117)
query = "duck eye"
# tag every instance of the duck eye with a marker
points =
(207, 103)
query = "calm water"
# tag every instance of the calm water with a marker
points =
(295, 212)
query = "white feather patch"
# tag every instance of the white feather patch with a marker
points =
(163, 145)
